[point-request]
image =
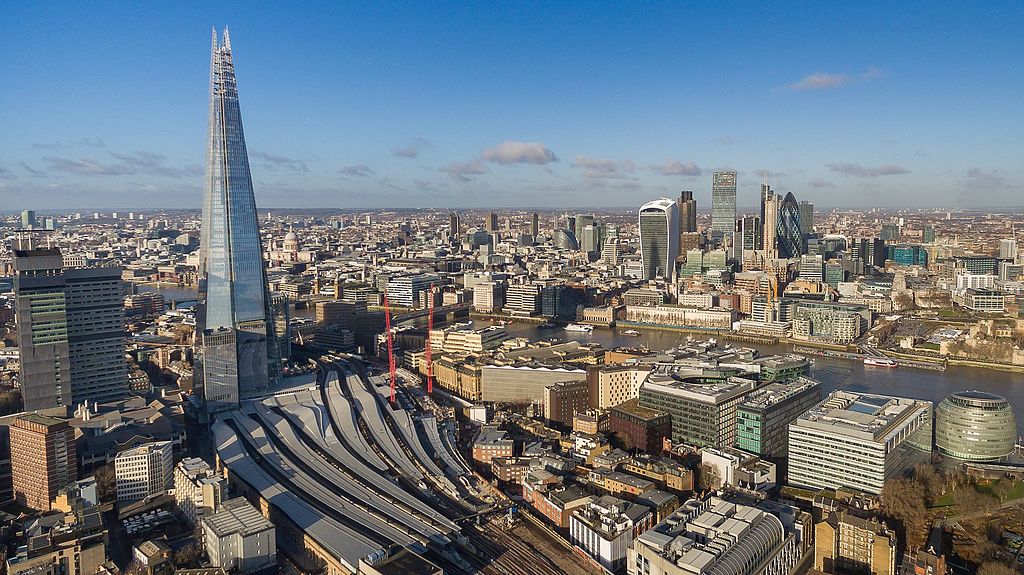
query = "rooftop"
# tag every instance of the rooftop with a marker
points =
(864, 415)
(774, 393)
(237, 516)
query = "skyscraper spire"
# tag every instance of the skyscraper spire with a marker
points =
(234, 328)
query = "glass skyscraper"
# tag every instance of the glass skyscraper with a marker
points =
(234, 325)
(723, 203)
(788, 237)
(659, 238)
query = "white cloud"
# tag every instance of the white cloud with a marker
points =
(677, 168)
(861, 171)
(512, 152)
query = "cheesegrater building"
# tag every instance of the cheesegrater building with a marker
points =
(234, 324)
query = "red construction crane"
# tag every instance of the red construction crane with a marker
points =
(430, 329)
(391, 345)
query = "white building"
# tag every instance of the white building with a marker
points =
(239, 539)
(604, 529)
(198, 491)
(144, 470)
(731, 467)
(858, 441)
(488, 297)
(522, 299)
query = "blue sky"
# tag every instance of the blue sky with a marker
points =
(588, 104)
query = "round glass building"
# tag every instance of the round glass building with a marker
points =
(975, 426)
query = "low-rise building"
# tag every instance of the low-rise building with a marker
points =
(492, 442)
(564, 399)
(639, 427)
(733, 468)
(605, 527)
(666, 473)
(845, 543)
(239, 539)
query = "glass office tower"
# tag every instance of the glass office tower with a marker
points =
(788, 237)
(659, 238)
(235, 335)
(723, 203)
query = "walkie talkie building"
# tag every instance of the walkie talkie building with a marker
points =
(234, 328)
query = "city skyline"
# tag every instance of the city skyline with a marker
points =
(364, 125)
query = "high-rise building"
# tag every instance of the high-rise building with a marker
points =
(928, 234)
(806, 217)
(687, 212)
(71, 329)
(762, 420)
(703, 409)
(748, 235)
(453, 226)
(769, 222)
(659, 238)
(144, 470)
(1007, 249)
(43, 459)
(858, 441)
(492, 222)
(28, 219)
(723, 203)
(535, 226)
(234, 324)
(789, 239)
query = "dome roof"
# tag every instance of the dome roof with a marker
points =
(291, 237)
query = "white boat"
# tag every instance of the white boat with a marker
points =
(630, 332)
(879, 361)
(579, 327)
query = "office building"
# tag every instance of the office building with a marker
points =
(408, 290)
(845, 543)
(71, 330)
(239, 539)
(28, 219)
(770, 205)
(462, 338)
(234, 324)
(604, 528)
(789, 239)
(454, 230)
(198, 491)
(43, 459)
(687, 213)
(729, 467)
(723, 203)
(904, 255)
(146, 306)
(712, 535)
(928, 234)
(144, 471)
(522, 299)
(702, 407)
(858, 441)
(535, 226)
(70, 543)
(523, 383)
(830, 321)
(489, 297)
(748, 235)
(659, 238)
(975, 426)
(806, 210)
(491, 225)
(763, 418)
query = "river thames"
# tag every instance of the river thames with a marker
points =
(833, 373)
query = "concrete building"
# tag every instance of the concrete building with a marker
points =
(611, 385)
(407, 290)
(604, 528)
(703, 409)
(144, 471)
(464, 339)
(521, 299)
(43, 459)
(239, 539)
(975, 426)
(682, 316)
(858, 440)
(723, 468)
(711, 536)
(844, 543)
(198, 491)
(71, 328)
(61, 544)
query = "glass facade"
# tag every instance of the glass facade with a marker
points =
(975, 426)
(659, 238)
(233, 292)
(788, 235)
(723, 203)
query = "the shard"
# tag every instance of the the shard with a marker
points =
(234, 327)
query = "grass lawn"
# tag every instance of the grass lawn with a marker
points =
(1015, 493)
(944, 501)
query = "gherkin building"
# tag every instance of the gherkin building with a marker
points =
(789, 239)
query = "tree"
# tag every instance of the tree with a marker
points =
(188, 556)
(10, 402)
(106, 485)
(995, 568)
(903, 500)
(933, 483)
(1002, 488)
